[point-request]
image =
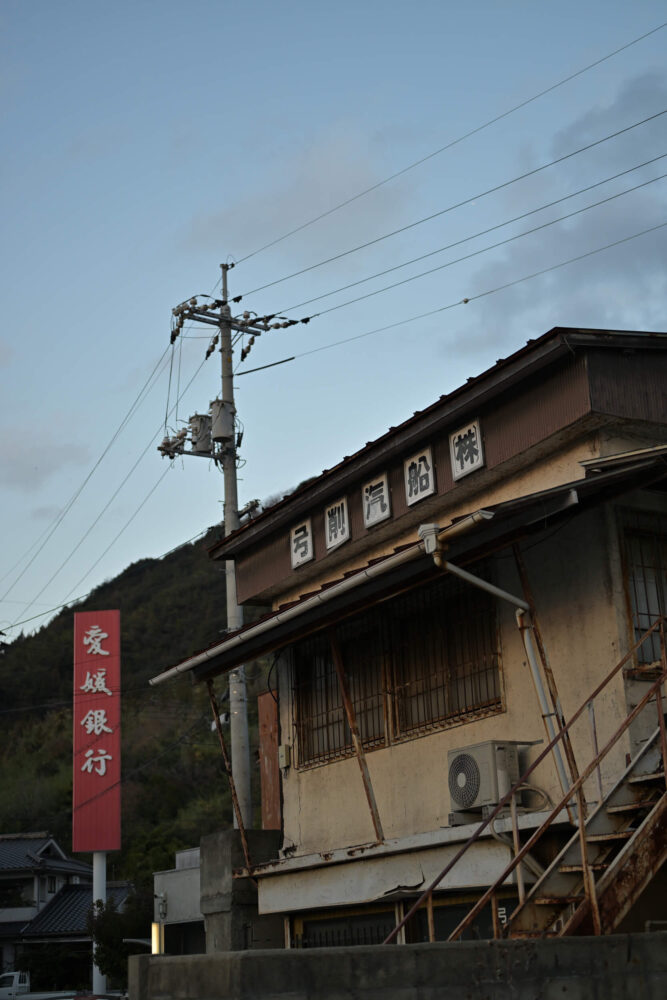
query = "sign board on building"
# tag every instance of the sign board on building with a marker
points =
(301, 543)
(336, 524)
(96, 784)
(375, 500)
(419, 476)
(465, 449)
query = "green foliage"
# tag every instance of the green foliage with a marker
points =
(174, 786)
(110, 929)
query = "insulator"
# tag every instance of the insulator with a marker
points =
(193, 301)
(251, 342)
(246, 315)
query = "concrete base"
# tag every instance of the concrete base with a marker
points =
(619, 967)
(229, 905)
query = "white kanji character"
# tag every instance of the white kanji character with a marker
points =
(100, 761)
(96, 722)
(93, 639)
(96, 683)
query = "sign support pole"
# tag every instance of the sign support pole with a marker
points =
(99, 894)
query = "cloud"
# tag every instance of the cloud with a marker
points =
(29, 463)
(47, 512)
(7, 354)
(639, 98)
(335, 167)
(624, 287)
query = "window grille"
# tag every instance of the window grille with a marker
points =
(446, 662)
(421, 660)
(343, 930)
(646, 576)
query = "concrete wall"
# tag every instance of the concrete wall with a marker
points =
(179, 889)
(622, 967)
(229, 905)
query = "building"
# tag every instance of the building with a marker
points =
(441, 604)
(177, 905)
(34, 870)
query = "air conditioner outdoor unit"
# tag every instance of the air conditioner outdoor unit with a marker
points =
(480, 775)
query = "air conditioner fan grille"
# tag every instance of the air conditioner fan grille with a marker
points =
(464, 780)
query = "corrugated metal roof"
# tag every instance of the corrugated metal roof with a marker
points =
(67, 912)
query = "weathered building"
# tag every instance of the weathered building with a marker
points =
(441, 604)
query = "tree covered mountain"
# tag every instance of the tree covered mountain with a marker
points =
(174, 787)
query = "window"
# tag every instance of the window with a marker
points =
(646, 574)
(423, 660)
(323, 731)
(51, 886)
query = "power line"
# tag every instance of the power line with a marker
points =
(107, 505)
(52, 528)
(453, 142)
(472, 298)
(451, 208)
(83, 597)
(466, 239)
(493, 246)
(126, 525)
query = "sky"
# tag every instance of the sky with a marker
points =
(146, 142)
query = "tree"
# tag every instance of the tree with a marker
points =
(110, 928)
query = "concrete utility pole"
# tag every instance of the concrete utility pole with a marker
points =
(238, 705)
(214, 436)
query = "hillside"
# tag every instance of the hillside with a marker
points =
(174, 787)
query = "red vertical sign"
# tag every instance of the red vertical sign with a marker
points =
(96, 798)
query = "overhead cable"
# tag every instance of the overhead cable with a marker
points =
(451, 208)
(454, 142)
(466, 239)
(492, 246)
(472, 298)
(83, 597)
(105, 508)
(52, 528)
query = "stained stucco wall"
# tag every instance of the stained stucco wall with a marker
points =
(574, 574)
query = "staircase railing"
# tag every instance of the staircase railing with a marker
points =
(575, 791)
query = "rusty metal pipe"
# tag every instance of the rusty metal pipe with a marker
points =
(356, 736)
(547, 715)
(228, 769)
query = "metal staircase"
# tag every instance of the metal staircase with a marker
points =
(625, 844)
(615, 850)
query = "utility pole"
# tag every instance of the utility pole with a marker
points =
(214, 436)
(238, 705)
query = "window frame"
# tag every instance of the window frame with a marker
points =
(386, 704)
(638, 525)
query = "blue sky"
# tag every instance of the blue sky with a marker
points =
(146, 142)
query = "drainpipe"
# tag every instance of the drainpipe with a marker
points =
(526, 630)
(433, 545)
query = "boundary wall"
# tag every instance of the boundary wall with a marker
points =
(616, 967)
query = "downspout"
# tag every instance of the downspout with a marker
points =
(433, 545)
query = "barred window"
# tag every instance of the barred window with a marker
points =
(646, 575)
(422, 660)
(323, 731)
(446, 656)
